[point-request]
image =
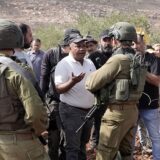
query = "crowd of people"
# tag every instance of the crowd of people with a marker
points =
(50, 93)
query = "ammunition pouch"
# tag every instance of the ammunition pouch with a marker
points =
(125, 89)
(122, 89)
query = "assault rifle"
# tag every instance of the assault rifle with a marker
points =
(89, 115)
(101, 98)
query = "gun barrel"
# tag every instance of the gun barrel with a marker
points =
(87, 117)
(81, 126)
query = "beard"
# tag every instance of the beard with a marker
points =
(107, 50)
(26, 45)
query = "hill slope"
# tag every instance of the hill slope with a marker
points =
(65, 11)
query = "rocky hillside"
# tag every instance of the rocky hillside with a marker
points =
(65, 11)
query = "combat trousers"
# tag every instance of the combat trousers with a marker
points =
(117, 132)
(21, 147)
(96, 127)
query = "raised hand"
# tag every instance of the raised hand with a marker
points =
(78, 78)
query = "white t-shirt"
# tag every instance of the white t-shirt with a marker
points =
(77, 96)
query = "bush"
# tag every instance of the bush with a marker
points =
(52, 35)
(155, 37)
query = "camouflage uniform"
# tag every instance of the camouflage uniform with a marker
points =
(119, 121)
(22, 114)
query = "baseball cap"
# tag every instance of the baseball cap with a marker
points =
(76, 38)
(89, 38)
(105, 34)
(69, 31)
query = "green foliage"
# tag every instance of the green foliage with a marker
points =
(96, 24)
(140, 21)
(52, 35)
(155, 37)
(49, 35)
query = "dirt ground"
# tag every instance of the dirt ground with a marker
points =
(137, 153)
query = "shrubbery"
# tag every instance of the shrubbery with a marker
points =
(51, 35)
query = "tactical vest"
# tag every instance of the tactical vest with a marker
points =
(127, 89)
(11, 109)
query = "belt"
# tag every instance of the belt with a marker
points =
(17, 136)
(83, 109)
(121, 106)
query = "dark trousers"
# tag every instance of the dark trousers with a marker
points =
(55, 135)
(72, 118)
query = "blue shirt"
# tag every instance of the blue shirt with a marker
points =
(36, 59)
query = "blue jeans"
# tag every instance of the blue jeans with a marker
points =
(151, 119)
(72, 118)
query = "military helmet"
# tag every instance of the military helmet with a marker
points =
(124, 31)
(10, 35)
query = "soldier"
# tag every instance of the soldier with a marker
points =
(119, 121)
(22, 115)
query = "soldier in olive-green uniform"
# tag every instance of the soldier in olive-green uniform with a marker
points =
(22, 114)
(120, 118)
